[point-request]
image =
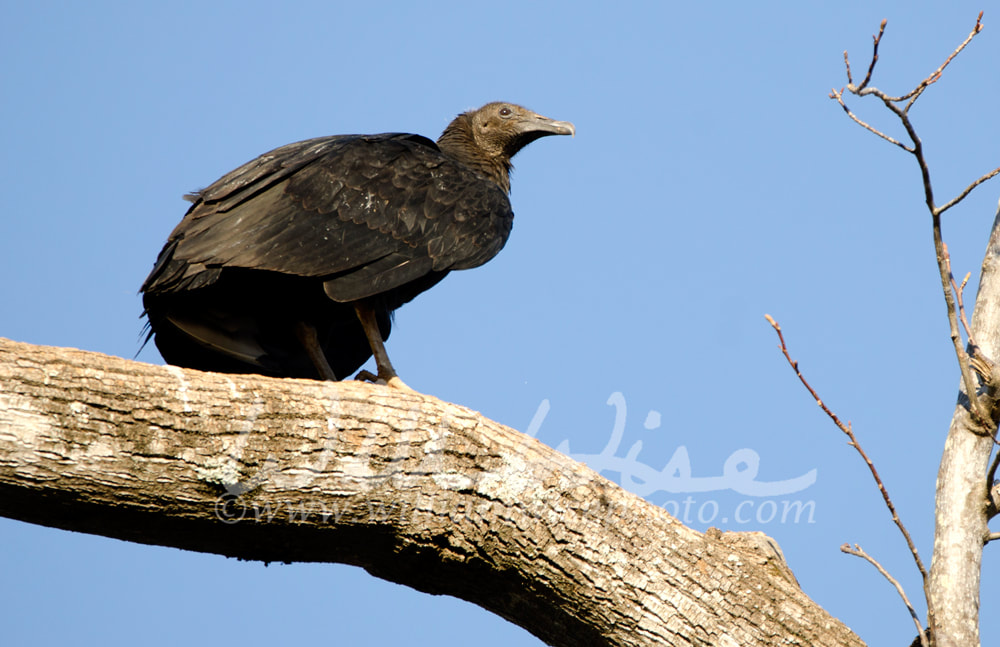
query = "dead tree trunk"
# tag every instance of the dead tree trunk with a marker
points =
(413, 489)
(963, 504)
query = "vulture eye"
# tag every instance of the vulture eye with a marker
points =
(505, 111)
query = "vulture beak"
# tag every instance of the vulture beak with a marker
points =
(541, 126)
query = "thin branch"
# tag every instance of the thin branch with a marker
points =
(991, 476)
(993, 536)
(853, 442)
(871, 66)
(929, 80)
(936, 74)
(834, 94)
(857, 551)
(976, 407)
(961, 196)
(978, 361)
(959, 292)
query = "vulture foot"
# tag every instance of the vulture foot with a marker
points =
(391, 381)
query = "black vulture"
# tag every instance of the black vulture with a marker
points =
(292, 265)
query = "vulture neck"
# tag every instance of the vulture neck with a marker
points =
(459, 143)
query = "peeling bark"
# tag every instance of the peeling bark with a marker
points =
(415, 490)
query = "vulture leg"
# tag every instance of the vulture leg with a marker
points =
(386, 373)
(307, 337)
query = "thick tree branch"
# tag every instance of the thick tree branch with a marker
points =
(413, 489)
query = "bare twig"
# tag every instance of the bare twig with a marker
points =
(936, 74)
(871, 66)
(838, 95)
(991, 476)
(853, 442)
(915, 93)
(961, 196)
(959, 292)
(857, 551)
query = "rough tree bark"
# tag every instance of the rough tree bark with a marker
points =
(413, 489)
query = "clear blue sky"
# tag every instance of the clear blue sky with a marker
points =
(711, 180)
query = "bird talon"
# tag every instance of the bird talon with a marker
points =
(391, 381)
(368, 376)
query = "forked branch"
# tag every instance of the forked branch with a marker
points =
(900, 106)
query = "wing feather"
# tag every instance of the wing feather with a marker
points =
(367, 214)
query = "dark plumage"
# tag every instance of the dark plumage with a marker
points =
(292, 264)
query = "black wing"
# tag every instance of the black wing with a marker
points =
(367, 214)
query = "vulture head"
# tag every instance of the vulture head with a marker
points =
(486, 139)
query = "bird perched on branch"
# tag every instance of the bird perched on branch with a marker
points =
(292, 265)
